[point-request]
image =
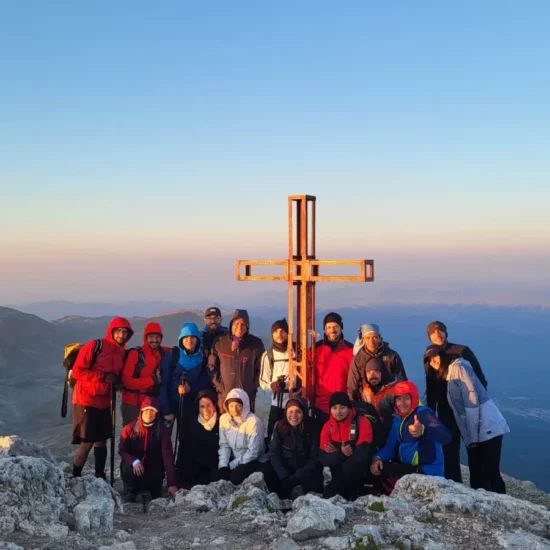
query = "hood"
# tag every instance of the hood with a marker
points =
(150, 403)
(118, 322)
(189, 329)
(302, 403)
(402, 388)
(240, 314)
(151, 328)
(376, 363)
(238, 393)
(211, 394)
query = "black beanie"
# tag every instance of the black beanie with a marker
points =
(333, 317)
(432, 351)
(437, 325)
(375, 363)
(339, 398)
(297, 402)
(281, 323)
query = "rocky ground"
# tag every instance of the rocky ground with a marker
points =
(41, 506)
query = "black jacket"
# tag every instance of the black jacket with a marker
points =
(295, 453)
(198, 446)
(357, 376)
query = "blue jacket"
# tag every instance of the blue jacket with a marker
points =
(190, 367)
(425, 451)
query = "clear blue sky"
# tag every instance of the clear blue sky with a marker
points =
(140, 142)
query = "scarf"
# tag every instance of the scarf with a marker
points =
(236, 342)
(208, 425)
(280, 347)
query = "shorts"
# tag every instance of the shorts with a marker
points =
(91, 425)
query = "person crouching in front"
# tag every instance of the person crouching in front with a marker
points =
(293, 468)
(146, 451)
(241, 449)
(414, 442)
(346, 443)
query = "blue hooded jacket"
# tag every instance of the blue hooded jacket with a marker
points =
(191, 367)
(424, 451)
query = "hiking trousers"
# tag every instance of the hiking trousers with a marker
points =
(484, 464)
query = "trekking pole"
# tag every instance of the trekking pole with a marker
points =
(178, 419)
(113, 430)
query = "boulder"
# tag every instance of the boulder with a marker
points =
(313, 517)
(32, 495)
(336, 543)
(436, 494)
(94, 516)
(13, 445)
(284, 543)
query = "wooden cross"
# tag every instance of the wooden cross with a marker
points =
(302, 271)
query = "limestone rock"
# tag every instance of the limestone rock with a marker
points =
(520, 540)
(119, 546)
(362, 531)
(314, 517)
(336, 543)
(32, 495)
(13, 445)
(284, 543)
(440, 495)
(10, 546)
(94, 516)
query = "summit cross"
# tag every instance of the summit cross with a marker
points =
(302, 272)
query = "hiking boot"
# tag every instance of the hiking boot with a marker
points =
(101, 475)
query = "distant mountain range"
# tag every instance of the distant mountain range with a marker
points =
(510, 342)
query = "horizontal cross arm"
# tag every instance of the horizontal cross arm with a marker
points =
(248, 264)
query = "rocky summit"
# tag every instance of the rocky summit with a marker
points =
(42, 506)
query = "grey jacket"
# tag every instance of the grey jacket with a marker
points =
(476, 414)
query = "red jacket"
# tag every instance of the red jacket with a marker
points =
(152, 446)
(91, 390)
(140, 379)
(331, 371)
(338, 432)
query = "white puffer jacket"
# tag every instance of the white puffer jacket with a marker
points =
(241, 441)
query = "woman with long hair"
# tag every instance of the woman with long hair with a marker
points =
(293, 453)
(475, 415)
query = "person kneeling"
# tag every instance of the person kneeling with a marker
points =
(293, 454)
(241, 439)
(414, 442)
(146, 452)
(197, 461)
(346, 441)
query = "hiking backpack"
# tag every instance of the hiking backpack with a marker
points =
(70, 355)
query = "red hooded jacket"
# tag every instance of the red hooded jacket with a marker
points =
(140, 379)
(152, 446)
(404, 388)
(91, 390)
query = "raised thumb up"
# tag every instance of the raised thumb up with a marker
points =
(416, 429)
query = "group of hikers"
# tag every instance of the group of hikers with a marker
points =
(367, 423)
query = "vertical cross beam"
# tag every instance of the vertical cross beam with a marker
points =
(301, 291)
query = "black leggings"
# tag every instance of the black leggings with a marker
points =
(240, 473)
(484, 464)
(310, 483)
(150, 481)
